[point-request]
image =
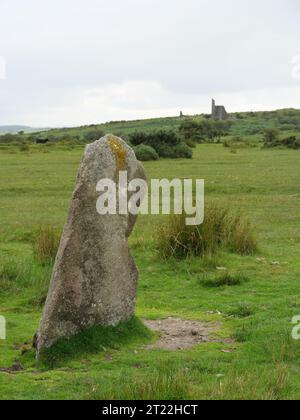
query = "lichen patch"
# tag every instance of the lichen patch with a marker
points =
(118, 151)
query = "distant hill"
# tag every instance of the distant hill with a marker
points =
(4, 129)
(242, 124)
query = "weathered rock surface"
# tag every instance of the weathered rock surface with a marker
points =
(94, 279)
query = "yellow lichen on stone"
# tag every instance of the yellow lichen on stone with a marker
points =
(118, 150)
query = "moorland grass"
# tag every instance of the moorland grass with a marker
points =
(263, 360)
(46, 245)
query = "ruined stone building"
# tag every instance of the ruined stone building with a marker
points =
(218, 112)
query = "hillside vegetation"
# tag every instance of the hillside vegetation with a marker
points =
(247, 125)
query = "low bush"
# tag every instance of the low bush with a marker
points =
(291, 142)
(166, 143)
(145, 153)
(191, 143)
(24, 147)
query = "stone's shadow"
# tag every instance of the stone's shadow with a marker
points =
(96, 340)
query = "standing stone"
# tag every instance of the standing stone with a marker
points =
(94, 279)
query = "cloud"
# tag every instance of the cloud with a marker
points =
(147, 99)
(89, 60)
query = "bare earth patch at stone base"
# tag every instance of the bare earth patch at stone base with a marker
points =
(180, 334)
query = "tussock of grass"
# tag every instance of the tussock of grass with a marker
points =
(223, 280)
(243, 334)
(46, 245)
(220, 228)
(242, 310)
(240, 237)
(96, 340)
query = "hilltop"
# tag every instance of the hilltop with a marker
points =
(245, 124)
(14, 129)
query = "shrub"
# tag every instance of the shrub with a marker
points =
(46, 245)
(192, 130)
(191, 143)
(166, 143)
(24, 147)
(219, 229)
(181, 150)
(93, 134)
(291, 142)
(271, 136)
(145, 153)
(201, 129)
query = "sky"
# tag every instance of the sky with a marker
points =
(75, 62)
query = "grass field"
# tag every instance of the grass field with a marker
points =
(256, 360)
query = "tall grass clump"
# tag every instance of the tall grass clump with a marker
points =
(240, 236)
(220, 229)
(46, 245)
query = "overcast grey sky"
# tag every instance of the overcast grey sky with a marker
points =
(71, 62)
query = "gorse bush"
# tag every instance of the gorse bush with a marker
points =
(145, 153)
(191, 143)
(200, 130)
(181, 150)
(220, 228)
(291, 142)
(271, 136)
(154, 138)
(24, 147)
(166, 143)
(46, 245)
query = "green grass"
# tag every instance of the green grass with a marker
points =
(261, 363)
(94, 340)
